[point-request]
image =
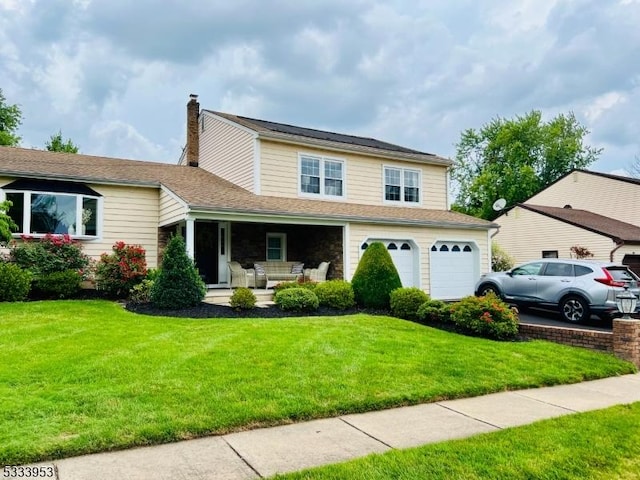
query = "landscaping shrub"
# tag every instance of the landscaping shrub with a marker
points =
(51, 253)
(58, 284)
(486, 316)
(178, 285)
(15, 283)
(293, 284)
(434, 311)
(405, 302)
(335, 294)
(375, 278)
(117, 273)
(501, 261)
(243, 299)
(297, 299)
(141, 293)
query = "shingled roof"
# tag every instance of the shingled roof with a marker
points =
(205, 192)
(620, 232)
(283, 131)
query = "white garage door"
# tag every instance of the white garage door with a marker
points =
(454, 269)
(405, 257)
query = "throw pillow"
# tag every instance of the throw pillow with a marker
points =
(259, 269)
(297, 268)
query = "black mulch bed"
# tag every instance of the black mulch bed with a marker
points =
(207, 310)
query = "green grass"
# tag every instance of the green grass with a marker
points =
(87, 376)
(596, 445)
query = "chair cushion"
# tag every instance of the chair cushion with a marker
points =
(297, 268)
(259, 269)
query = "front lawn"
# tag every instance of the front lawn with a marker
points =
(599, 445)
(87, 376)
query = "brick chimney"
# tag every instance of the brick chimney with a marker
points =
(193, 137)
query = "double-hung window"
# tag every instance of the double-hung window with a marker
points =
(41, 207)
(401, 185)
(321, 176)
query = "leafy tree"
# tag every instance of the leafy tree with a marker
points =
(515, 159)
(56, 144)
(6, 222)
(10, 119)
(178, 285)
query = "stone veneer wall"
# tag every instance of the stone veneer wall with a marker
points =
(305, 243)
(623, 341)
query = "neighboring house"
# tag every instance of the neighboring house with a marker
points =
(249, 190)
(593, 210)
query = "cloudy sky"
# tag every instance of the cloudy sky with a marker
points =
(115, 75)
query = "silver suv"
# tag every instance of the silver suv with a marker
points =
(577, 288)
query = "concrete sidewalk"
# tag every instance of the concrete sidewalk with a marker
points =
(265, 452)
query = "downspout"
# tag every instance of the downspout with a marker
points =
(620, 243)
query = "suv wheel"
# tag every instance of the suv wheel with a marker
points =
(574, 309)
(487, 288)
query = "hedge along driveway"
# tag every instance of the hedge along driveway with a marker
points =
(79, 377)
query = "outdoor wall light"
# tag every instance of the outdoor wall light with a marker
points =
(626, 302)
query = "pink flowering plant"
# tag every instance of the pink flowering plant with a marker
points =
(117, 273)
(486, 316)
(49, 254)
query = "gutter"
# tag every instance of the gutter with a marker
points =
(620, 243)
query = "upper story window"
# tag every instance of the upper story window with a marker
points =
(401, 185)
(41, 207)
(321, 176)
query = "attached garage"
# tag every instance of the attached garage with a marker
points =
(455, 268)
(404, 254)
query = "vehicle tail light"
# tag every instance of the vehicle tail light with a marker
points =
(609, 280)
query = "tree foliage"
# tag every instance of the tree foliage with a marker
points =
(375, 278)
(7, 225)
(10, 120)
(515, 159)
(57, 144)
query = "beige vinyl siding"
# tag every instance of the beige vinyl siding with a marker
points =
(227, 151)
(363, 175)
(525, 234)
(171, 210)
(130, 215)
(423, 237)
(604, 196)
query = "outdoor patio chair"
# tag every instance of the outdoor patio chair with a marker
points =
(317, 274)
(242, 277)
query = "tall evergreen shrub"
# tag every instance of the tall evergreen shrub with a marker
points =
(178, 285)
(375, 278)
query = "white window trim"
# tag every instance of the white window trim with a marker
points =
(402, 200)
(283, 243)
(26, 218)
(322, 159)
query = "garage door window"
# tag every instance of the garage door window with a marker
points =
(392, 246)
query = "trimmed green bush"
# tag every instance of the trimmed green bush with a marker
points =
(178, 285)
(405, 302)
(15, 283)
(293, 284)
(335, 294)
(243, 299)
(486, 316)
(51, 253)
(434, 311)
(500, 259)
(58, 284)
(297, 299)
(375, 278)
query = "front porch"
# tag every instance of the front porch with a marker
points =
(213, 243)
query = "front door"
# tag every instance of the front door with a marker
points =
(206, 251)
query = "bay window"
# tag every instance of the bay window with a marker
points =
(41, 207)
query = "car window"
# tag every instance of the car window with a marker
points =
(581, 270)
(528, 269)
(558, 270)
(621, 273)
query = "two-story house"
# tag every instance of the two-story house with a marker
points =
(249, 190)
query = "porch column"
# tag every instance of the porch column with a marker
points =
(190, 241)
